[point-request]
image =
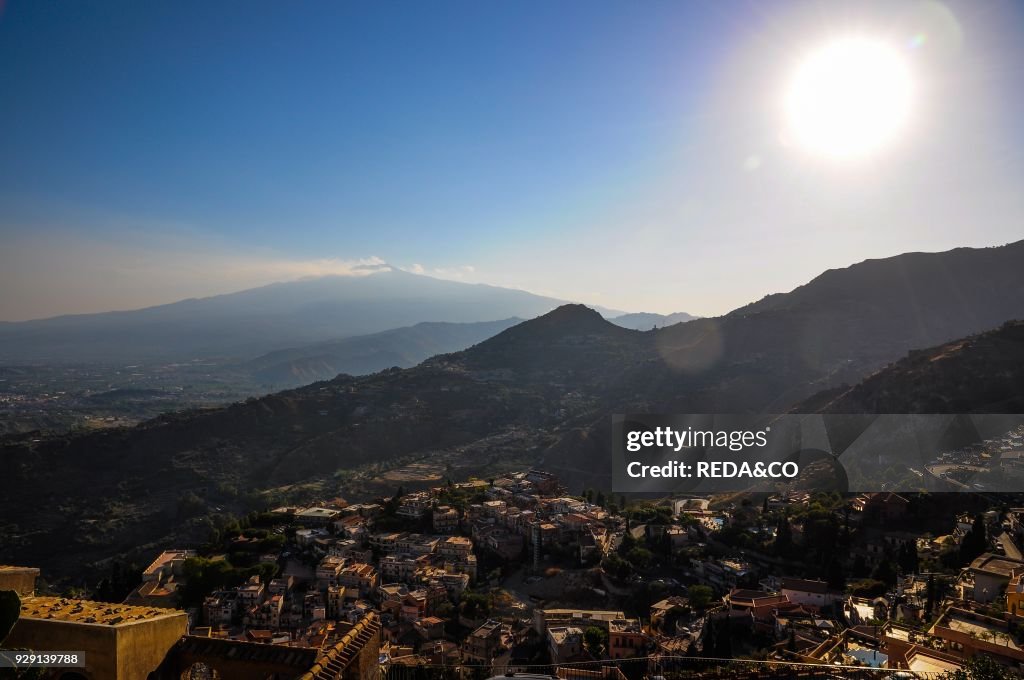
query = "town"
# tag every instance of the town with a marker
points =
(514, 574)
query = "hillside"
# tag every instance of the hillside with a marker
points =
(363, 354)
(982, 373)
(539, 392)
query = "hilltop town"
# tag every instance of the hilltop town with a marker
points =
(515, 574)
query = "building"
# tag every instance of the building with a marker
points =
(741, 599)
(988, 576)
(885, 507)
(966, 633)
(815, 594)
(266, 614)
(349, 652)
(328, 570)
(505, 545)
(360, 576)
(251, 593)
(565, 643)
(402, 567)
(21, 580)
(666, 613)
(455, 546)
(430, 628)
(483, 643)
(462, 565)
(1015, 593)
(413, 505)
(626, 639)
(582, 618)
(416, 544)
(220, 608)
(446, 519)
(120, 642)
(124, 642)
(167, 564)
(317, 516)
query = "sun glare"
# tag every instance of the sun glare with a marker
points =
(849, 98)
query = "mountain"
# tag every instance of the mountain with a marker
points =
(845, 324)
(363, 354)
(253, 322)
(540, 392)
(983, 373)
(645, 321)
(927, 298)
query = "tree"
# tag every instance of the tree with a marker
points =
(885, 572)
(980, 667)
(930, 603)
(639, 557)
(595, 639)
(974, 542)
(836, 575)
(908, 560)
(628, 543)
(475, 605)
(616, 566)
(718, 644)
(700, 596)
(868, 588)
(783, 537)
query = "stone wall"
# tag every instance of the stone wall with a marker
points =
(21, 580)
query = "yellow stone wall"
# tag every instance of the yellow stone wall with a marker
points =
(125, 652)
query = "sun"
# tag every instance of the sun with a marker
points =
(850, 98)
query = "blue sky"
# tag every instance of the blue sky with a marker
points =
(617, 153)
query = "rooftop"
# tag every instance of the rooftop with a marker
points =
(995, 565)
(599, 614)
(805, 585)
(561, 634)
(486, 628)
(924, 662)
(9, 569)
(980, 627)
(318, 512)
(89, 612)
(167, 557)
(624, 626)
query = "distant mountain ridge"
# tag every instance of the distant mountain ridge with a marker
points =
(253, 322)
(645, 321)
(364, 354)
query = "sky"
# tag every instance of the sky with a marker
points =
(632, 155)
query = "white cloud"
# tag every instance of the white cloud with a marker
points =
(457, 273)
